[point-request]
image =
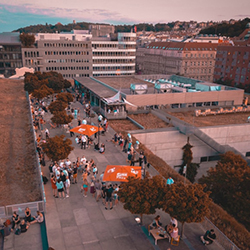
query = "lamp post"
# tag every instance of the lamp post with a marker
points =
(98, 134)
(185, 173)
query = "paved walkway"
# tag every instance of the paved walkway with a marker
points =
(81, 223)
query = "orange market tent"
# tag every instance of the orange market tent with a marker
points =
(86, 129)
(121, 173)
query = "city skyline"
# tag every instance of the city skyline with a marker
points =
(15, 14)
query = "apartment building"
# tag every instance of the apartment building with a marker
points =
(78, 54)
(194, 60)
(10, 53)
(233, 64)
(233, 61)
(114, 55)
(67, 53)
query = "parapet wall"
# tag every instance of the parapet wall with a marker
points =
(167, 143)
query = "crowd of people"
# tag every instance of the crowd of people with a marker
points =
(65, 173)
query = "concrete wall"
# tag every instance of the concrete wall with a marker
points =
(189, 97)
(167, 143)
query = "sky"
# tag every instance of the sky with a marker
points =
(15, 14)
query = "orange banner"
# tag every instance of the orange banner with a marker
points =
(121, 173)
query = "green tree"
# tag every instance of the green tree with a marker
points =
(27, 40)
(31, 82)
(57, 148)
(191, 168)
(57, 106)
(229, 186)
(65, 97)
(66, 84)
(187, 203)
(42, 92)
(61, 117)
(142, 196)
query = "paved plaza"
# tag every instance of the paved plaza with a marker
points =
(81, 223)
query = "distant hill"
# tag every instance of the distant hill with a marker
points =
(49, 28)
(225, 29)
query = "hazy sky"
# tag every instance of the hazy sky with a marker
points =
(19, 13)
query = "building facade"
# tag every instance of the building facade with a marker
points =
(68, 54)
(10, 53)
(114, 55)
(233, 64)
(193, 60)
(78, 54)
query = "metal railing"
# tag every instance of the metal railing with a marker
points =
(221, 238)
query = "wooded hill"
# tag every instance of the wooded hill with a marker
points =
(225, 29)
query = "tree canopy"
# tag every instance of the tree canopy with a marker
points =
(142, 196)
(57, 148)
(65, 97)
(42, 92)
(53, 80)
(225, 29)
(61, 117)
(57, 106)
(27, 40)
(229, 185)
(187, 203)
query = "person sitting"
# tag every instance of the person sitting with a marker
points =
(209, 237)
(15, 220)
(174, 233)
(23, 226)
(156, 222)
(27, 215)
(102, 149)
(39, 218)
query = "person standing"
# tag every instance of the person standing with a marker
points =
(85, 187)
(54, 187)
(98, 188)
(108, 193)
(67, 186)
(60, 188)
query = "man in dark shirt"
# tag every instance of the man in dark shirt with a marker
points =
(108, 192)
(209, 237)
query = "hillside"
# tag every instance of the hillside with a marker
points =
(225, 29)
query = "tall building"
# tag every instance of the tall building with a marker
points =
(233, 61)
(114, 55)
(98, 30)
(10, 53)
(192, 59)
(67, 53)
(78, 54)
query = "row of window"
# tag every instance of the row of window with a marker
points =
(202, 63)
(67, 68)
(82, 45)
(114, 53)
(31, 53)
(10, 65)
(112, 68)
(67, 61)
(197, 71)
(75, 75)
(10, 56)
(200, 55)
(66, 53)
(102, 61)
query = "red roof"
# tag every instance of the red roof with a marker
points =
(183, 46)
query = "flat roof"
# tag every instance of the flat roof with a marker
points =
(122, 82)
(96, 87)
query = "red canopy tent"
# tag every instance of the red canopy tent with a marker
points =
(121, 173)
(86, 129)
